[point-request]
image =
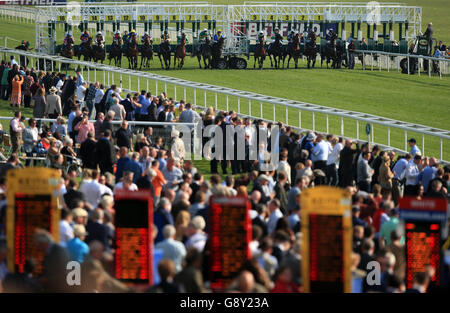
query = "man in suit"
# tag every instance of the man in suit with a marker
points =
(87, 152)
(346, 161)
(105, 153)
(96, 229)
(54, 271)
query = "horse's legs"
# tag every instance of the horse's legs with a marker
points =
(160, 60)
(182, 63)
(199, 58)
(254, 64)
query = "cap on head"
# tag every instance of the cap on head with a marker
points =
(412, 140)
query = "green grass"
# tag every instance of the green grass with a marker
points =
(421, 100)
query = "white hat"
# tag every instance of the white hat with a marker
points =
(311, 136)
(175, 133)
(263, 177)
(261, 32)
(79, 230)
(118, 32)
(99, 33)
(205, 29)
(79, 212)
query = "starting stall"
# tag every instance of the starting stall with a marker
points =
(240, 24)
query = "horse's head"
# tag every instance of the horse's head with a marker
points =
(89, 42)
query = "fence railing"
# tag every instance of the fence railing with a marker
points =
(391, 61)
(302, 115)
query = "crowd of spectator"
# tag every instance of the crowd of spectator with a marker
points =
(111, 159)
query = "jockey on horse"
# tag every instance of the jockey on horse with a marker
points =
(116, 38)
(181, 37)
(131, 35)
(277, 39)
(290, 39)
(99, 40)
(165, 36)
(68, 40)
(84, 39)
(218, 36)
(144, 38)
(202, 39)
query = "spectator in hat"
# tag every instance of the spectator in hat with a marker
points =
(76, 247)
(53, 108)
(178, 149)
(414, 149)
(262, 186)
(80, 216)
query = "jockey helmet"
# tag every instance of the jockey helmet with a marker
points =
(261, 32)
(205, 30)
(165, 32)
(292, 31)
(24, 42)
(69, 34)
(146, 33)
(118, 32)
(133, 31)
(99, 33)
(219, 31)
(86, 32)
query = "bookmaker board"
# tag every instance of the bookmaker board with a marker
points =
(424, 222)
(326, 248)
(230, 234)
(134, 242)
(32, 202)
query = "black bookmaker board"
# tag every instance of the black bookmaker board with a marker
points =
(133, 242)
(230, 234)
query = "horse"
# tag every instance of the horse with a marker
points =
(180, 53)
(329, 52)
(206, 53)
(293, 51)
(116, 53)
(98, 52)
(276, 50)
(67, 52)
(311, 50)
(216, 51)
(146, 52)
(132, 53)
(260, 53)
(86, 50)
(164, 50)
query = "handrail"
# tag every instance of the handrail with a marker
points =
(445, 59)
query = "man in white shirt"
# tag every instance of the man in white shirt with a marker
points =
(17, 128)
(320, 153)
(411, 174)
(81, 92)
(91, 188)
(275, 215)
(284, 166)
(13, 61)
(333, 162)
